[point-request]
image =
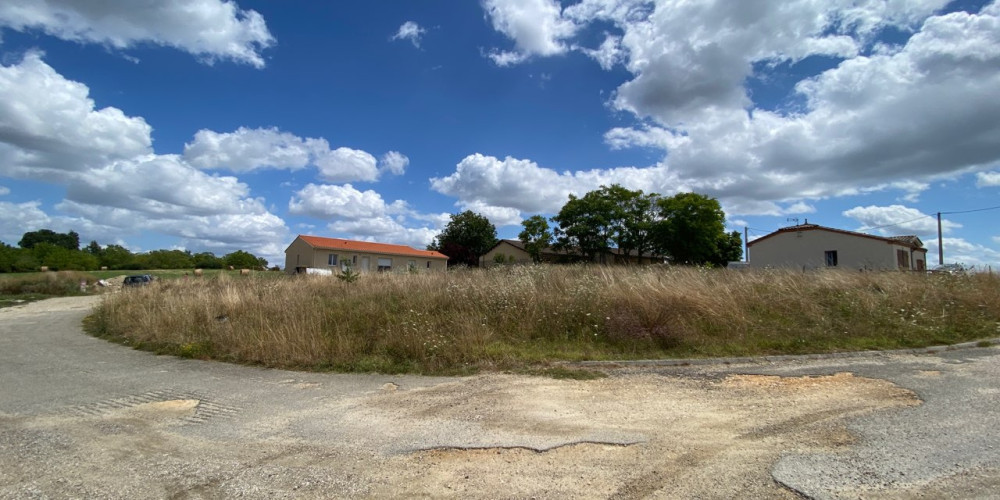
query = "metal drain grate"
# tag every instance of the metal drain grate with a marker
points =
(204, 411)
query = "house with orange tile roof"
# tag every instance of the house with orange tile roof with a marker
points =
(335, 254)
(811, 246)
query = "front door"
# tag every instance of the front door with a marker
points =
(364, 263)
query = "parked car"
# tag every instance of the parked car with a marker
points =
(137, 280)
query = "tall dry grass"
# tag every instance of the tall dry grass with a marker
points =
(509, 317)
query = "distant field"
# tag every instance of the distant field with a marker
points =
(524, 317)
(18, 288)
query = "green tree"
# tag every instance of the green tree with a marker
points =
(467, 236)
(691, 230)
(93, 249)
(536, 236)
(730, 249)
(586, 224)
(69, 241)
(207, 260)
(244, 260)
(169, 259)
(118, 257)
(8, 257)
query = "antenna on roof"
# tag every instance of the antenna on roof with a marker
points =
(793, 219)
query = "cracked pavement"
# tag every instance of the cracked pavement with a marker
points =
(80, 417)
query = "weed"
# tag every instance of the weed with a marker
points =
(524, 316)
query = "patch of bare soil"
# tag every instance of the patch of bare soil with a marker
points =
(663, 437)
(491, 436)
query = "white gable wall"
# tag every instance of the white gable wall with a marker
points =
(807, 250)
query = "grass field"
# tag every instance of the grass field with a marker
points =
(520, 318)
(18, 288)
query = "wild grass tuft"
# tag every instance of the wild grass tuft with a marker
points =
(511, 318)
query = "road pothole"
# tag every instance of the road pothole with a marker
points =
(185, 407)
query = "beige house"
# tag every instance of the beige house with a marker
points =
(334, 254)
(513, 252)
(810, 246)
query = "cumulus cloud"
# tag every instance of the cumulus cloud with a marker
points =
(537, 27)
(395, 162)
(346, 164)
(4, 190)
(209, 29)
(965, 252)
(410, 31)
(498, 216)
(898, 220)
(19, 218)
(520, 184)
(248, 149)
(988, 179)
(51, 129)
(921, 110)
(365, 215)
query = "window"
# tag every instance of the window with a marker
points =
(354, 260)
(831, 258)
(903, 259)
(332, 260)
(385, 264)
(411, 265)
(428, 264)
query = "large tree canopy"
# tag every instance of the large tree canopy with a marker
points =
(69, 241)
(692, 230)
(467, 237)
(688, 228)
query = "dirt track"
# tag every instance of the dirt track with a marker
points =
(188, 429)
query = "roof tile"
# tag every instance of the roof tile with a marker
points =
(368, 247)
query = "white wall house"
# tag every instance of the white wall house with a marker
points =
(810, 246)
(307, 253)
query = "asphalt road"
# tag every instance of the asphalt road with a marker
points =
(83, 418)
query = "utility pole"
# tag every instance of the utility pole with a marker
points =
(746, 245)
(940, 242)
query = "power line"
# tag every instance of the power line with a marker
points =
(896, 223)
(970, 211)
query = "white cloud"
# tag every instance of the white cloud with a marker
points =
(536, 27)
(608, 54)
(385, 230)
(346, 164)
(800, 208)
(50, 131)
(394, 162)
(959, 250)
(324, 201)
(250, 149)
(20, 218)
(498, 216)
(410, 31)
(50, 128)
(898, 220)
(988, 179)
(922, 110)
(4, 190)
(365, 215)
(209, 29)
(247, 150)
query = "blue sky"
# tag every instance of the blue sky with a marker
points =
(210, 125)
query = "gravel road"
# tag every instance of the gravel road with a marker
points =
(83, 418)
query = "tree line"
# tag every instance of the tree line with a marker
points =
(687, 228)
(62, 252)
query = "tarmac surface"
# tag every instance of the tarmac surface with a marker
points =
(80, 417)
